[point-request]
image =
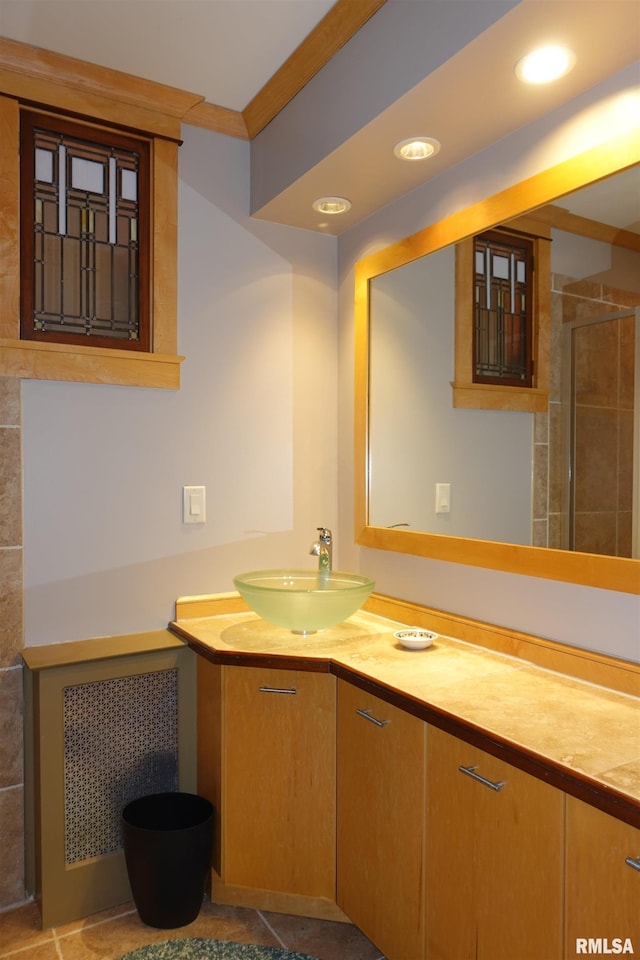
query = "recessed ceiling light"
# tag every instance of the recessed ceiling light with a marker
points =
(545, 64)
(331, 205)
(416, 148)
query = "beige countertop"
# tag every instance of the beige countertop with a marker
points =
(586, 735)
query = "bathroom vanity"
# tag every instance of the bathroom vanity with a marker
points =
(480, 798)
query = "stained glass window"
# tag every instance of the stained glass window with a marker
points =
(85, 225)
(502, 350)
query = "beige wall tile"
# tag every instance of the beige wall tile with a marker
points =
(539, 534)
(625, 459)
(10, 487)
(624, 533)
(9, 402)
(556, 525)
(11, 846)
(11, 606)
(11, 770)
(11, 642)
(541, 427)
(596, 369)
(540, 490)
(557, 336)
(627, 328)
(557, 459)
(596, 532)
(596, 477)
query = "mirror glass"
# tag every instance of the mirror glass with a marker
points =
(563, 479)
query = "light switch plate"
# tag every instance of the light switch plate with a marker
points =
(443, 498)
(194, 505)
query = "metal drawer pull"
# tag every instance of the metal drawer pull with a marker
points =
(277, 690)
(367, 715)
(471, 772)
(633, 862)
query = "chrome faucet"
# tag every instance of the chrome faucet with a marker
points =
(323, 550)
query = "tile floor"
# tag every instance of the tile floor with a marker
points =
(108, 935)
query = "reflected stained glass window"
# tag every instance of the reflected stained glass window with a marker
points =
(502, 350)
(85, 221)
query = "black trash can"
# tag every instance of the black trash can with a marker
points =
(167, 845)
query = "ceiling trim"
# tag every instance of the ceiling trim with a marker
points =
(219, 119)
(336, 28)
(34, 63)
(27, 63)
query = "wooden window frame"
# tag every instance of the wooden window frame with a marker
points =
(510, 241)
(499, 396)
(104, 98)
(105, 137)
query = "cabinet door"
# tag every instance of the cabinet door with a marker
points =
(381, 807)
(602, 881)
(495, 858)
(278, 805)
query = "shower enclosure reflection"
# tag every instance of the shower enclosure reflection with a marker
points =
(601, 364)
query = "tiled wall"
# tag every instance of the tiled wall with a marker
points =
(11, 639)
(606, 527)
(550, 505)
(604, 398)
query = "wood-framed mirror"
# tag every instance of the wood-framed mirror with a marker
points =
(396, 532)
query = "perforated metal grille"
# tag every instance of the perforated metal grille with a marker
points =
(120, 742)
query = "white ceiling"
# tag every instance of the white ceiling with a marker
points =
(224, 50)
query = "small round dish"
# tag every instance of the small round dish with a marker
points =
(415, 638)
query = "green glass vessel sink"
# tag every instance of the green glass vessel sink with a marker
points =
(303, 600)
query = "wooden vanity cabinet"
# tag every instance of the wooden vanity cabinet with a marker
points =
(381, 807)
(495, 858)
(266, 759)
(332, 803)
(602, 880)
